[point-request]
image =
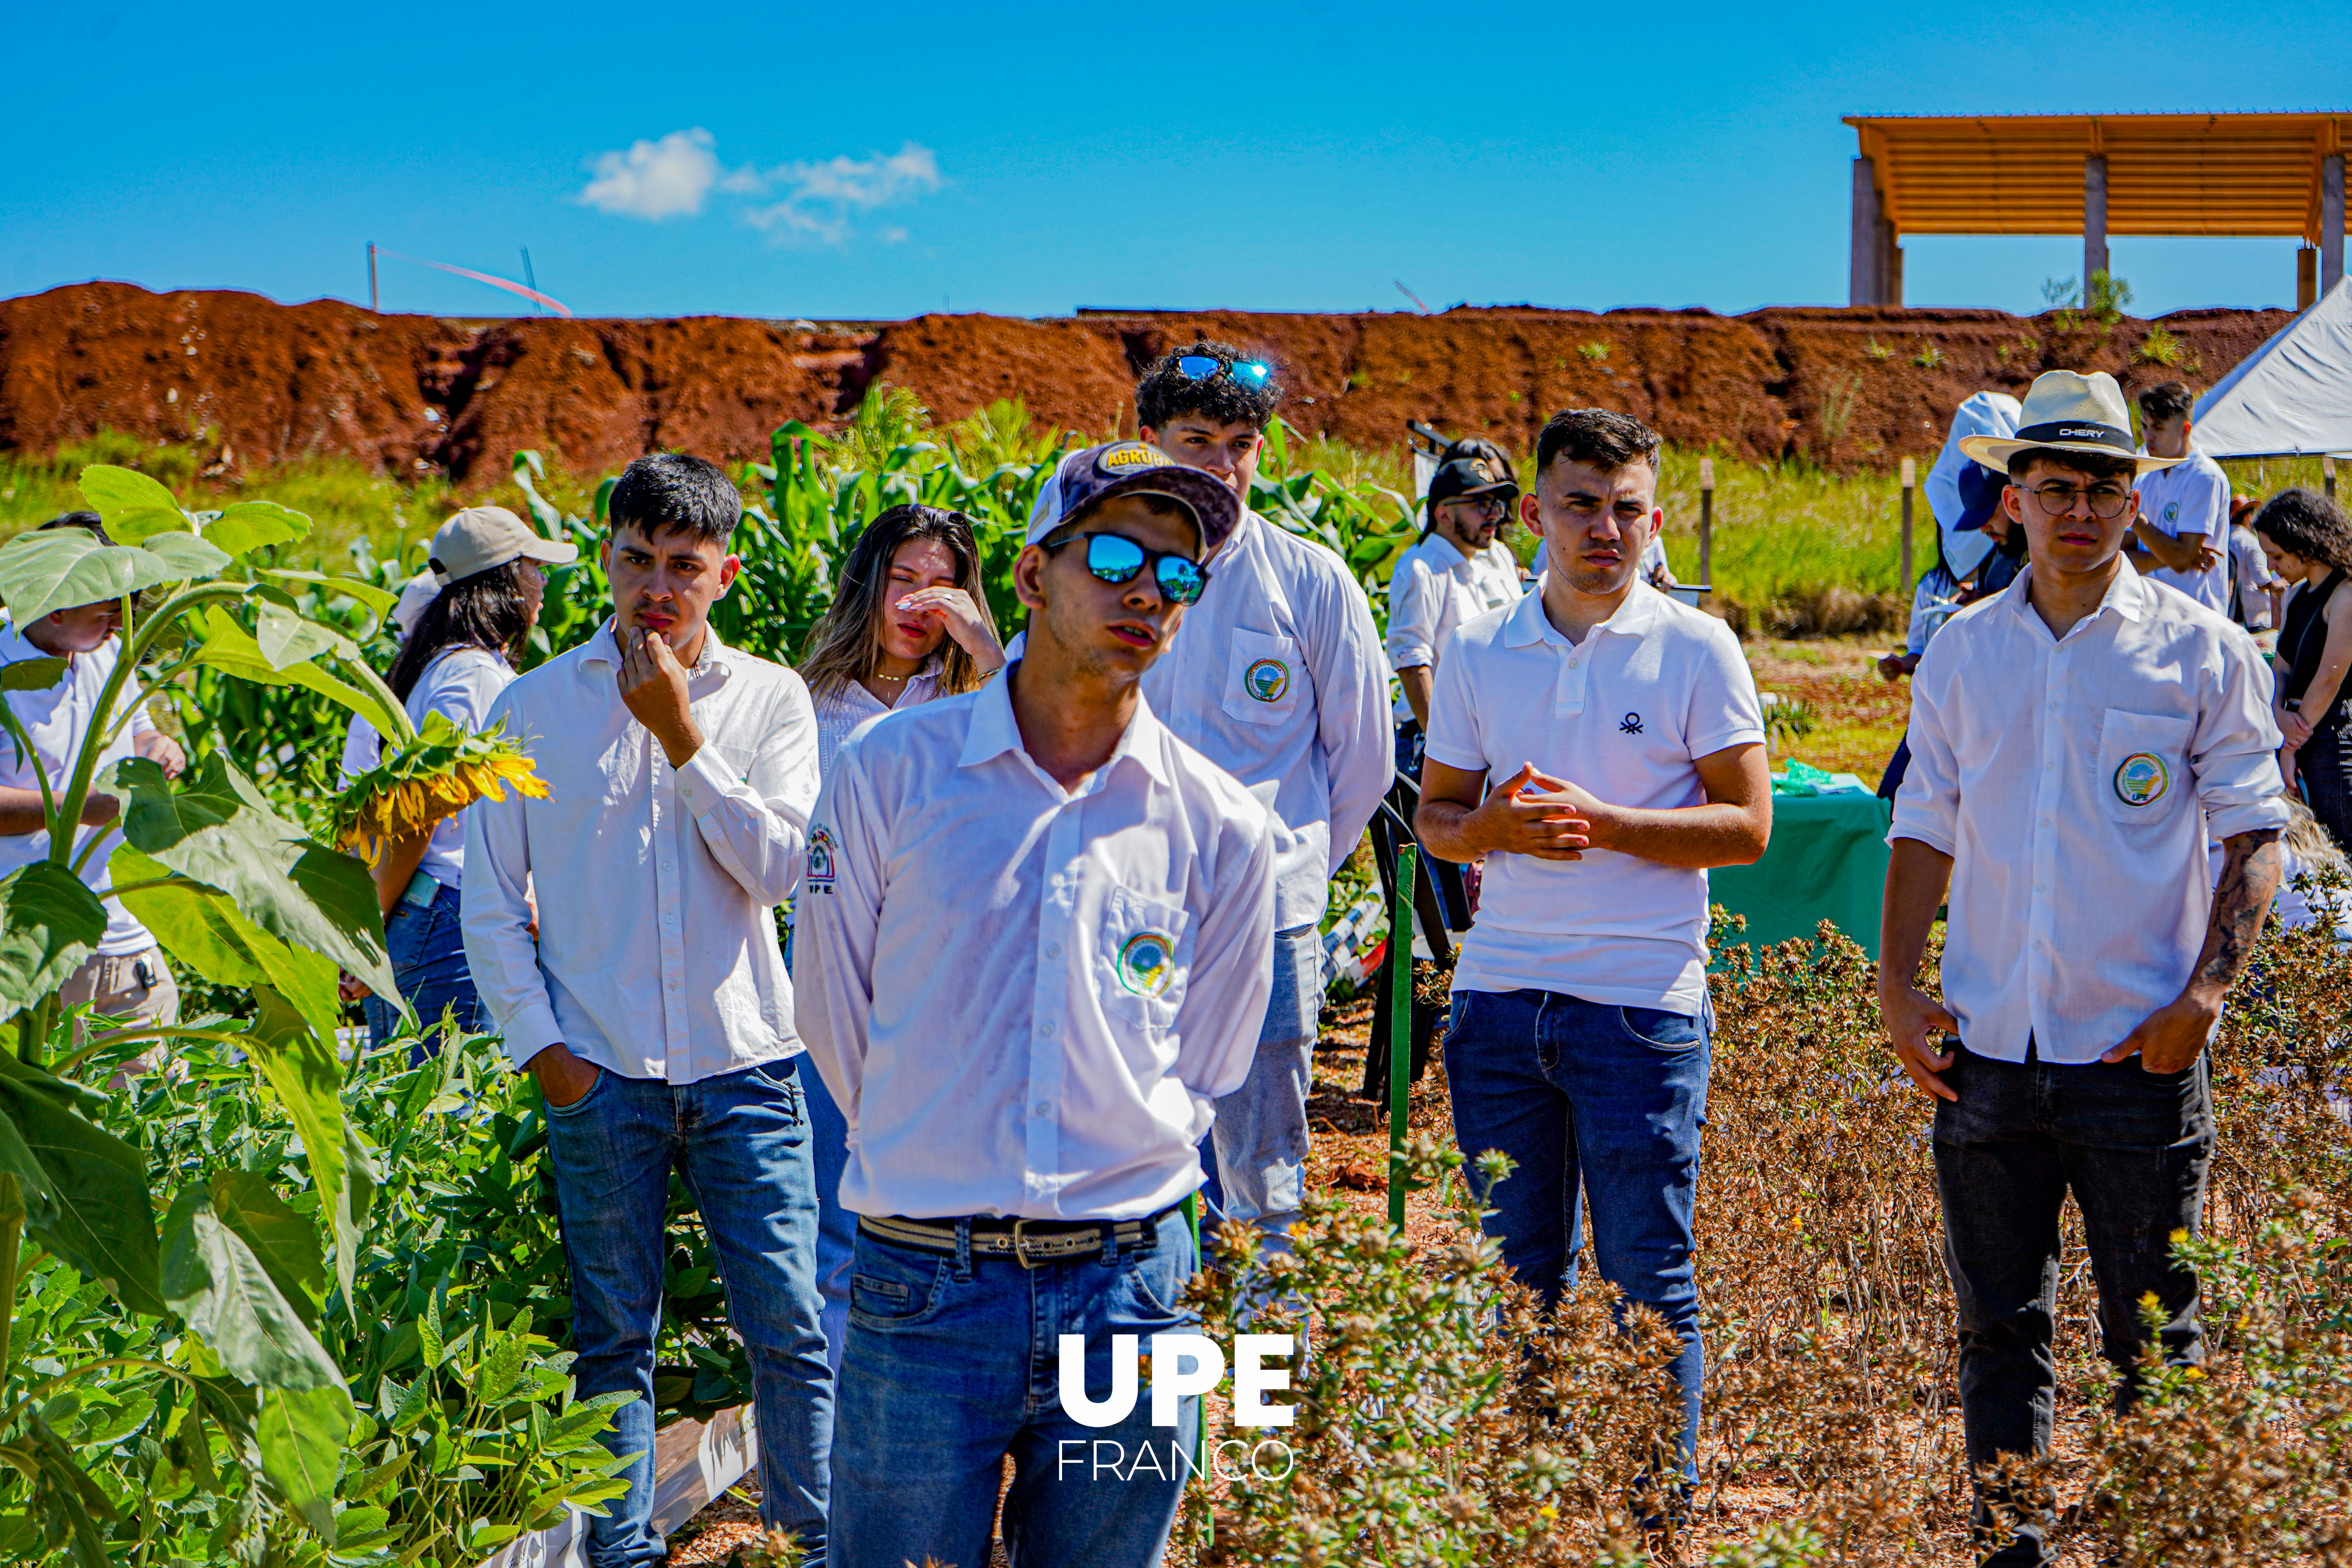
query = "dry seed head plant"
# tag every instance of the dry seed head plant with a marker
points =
(1443, 1419)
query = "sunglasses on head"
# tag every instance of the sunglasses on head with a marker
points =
(1115, 558)
(1250, 373)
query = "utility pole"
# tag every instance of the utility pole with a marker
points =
(373, 307)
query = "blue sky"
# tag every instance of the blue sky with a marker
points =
(882, 161)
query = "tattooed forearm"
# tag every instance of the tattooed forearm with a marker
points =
(2251, 868)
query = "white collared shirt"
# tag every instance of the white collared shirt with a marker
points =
(839, 713)
(58, 719)
(1277, 676)
(1626, 713)
(1433, 590)
(2073, 780)
(1026, 1001)
(657, 955)
(2192, 497)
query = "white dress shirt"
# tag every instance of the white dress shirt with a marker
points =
(1626, 713)
(2073, 780)
(58, 719)
(657, 955)
(1277, 676)
(2192, 498)
(1027, 1001)
(839, 713)
(460, 684)
(1433, 590)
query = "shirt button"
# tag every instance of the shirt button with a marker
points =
(1053, 950)
(1046, 1029)
(1040, 1109)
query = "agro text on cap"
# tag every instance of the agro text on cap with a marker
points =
(1464, 478)
(1134, 468)
(2066, 411)
(482, 537)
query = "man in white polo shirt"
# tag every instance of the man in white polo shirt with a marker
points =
(1602, 746)
(1026, 1080)
(2065, 806)
(2181, 537)
(1455, 571)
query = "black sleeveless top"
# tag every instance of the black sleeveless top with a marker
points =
(2302, 640)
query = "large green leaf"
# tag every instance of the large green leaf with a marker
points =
(229, 647)
(381, 600)
(214, 1280)
(202, 927)
(90, 1203)
(285, 637)
(252, 524)
(301, 1434)
(218, 828)
(299, 1063)
(32, 674)
(132, 505)
(49, 922)
(56, 569)
(285, 1242)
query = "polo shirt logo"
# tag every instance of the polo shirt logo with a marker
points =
(2141, 779)
(1267, 680)
(2171, 510)
(1629, 725)
(1147, 961)
(820, 859)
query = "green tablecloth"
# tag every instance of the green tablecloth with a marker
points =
(1827, 861)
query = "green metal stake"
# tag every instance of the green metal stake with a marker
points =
(1400, 1028)
(1198, 1433)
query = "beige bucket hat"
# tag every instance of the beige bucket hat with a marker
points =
(2068, 412)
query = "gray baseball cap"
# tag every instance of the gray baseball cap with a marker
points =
(1133, 468)
(482, 537)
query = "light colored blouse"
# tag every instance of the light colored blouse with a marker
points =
(839, 713)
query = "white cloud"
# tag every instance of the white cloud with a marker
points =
(656, 179)
(821, 201)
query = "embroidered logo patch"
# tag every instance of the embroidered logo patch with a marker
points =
(1147, 962)
(1629, 725)
(2171, 510)
(1267, 680)
(820, 859)
(2141, 779)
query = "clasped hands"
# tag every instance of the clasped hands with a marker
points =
(1532, 813)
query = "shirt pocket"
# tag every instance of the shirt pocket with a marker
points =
(2143, 770)
(1266, 680)
(1142, 959)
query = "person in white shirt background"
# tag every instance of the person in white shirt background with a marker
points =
(1279, 679)
(2129, 721)
(1455, 571)
(908, 624)
(454, 660)
(1602, 745)
(126, 978)
(2181, 538)
(2257, 589)
(654, 1008)
(1026, 1083)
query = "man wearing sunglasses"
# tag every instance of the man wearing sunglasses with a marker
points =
(1455, 573)
(1279, 679)
(2065, 808)
(1026, 1084)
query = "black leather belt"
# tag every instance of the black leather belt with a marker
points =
(1034, 1242)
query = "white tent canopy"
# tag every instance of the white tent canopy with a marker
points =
(2291, 398)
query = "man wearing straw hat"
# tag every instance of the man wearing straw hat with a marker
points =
(2077, 787)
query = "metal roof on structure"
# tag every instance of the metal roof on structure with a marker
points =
(2166, 174)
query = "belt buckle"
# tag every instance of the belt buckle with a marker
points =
(1020, 1246)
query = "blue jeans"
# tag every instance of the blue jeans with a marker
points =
(1257, 1169)
(740, 1143)
(954, 1364)
(428, 958)
(836, 1227)
(1608, 1099)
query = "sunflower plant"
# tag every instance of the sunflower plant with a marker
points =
(439, 769)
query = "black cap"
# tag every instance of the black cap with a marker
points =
(1467, 477)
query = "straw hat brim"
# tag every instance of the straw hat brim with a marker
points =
(1995, 451)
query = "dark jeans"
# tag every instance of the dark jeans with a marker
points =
(428, 958)
(1409, 742)
(740, 1143)
(2319, 764)
(2133, 1147)
(1607, 1100)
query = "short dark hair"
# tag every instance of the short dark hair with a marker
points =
(2098, 465)
(85, 520)
(1599, 439)
(2307, 523)
(2166, 400)
(672, 492)
(1165, 392)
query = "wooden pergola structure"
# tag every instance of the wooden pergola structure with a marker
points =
(2267, 174)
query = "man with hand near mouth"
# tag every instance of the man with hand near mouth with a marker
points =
(1456, 571)
(1026, 1083)
(655, 1009)
(1625, 731)
(2065, 807)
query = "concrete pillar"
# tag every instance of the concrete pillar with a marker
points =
(2095, 219)
(2331, 221)
(1866, 267)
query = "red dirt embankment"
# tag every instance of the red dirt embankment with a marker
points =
(266, 382)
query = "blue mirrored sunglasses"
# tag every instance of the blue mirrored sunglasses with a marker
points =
(1115, 558)
(1250, 373)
